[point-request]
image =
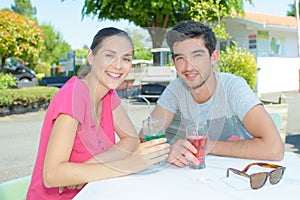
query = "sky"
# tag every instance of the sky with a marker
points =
(66, 17)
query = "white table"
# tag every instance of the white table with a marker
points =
(184, 183)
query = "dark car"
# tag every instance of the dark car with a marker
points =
(154, 80)
(54, 81)
(152, 90)
(22, 73)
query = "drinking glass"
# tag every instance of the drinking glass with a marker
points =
(197, 136)
(153, 128)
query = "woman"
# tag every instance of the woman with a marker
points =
(77, 143)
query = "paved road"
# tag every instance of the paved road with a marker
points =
(19, 137)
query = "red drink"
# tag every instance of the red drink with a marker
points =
(199, 142)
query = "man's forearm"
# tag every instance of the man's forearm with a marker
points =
(253, 148)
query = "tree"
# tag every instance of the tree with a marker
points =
(54, 44)
(292, 11)
(156, 16)
(140, 52)
(25, 8)
(20, 37)
(81, 53)
(211, 13)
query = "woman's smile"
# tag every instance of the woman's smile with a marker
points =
(114, 75)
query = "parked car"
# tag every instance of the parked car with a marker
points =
(22, 73)
(152, 90)
(155, 79)
(54, 81)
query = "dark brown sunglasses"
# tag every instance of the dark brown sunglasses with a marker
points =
(257, 180)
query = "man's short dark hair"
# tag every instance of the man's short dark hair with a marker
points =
(191, 29)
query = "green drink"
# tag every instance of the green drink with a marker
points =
(153, 136)
(153, 129)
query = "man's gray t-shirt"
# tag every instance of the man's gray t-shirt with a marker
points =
(223, 112)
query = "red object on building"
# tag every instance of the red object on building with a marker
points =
(253, 36)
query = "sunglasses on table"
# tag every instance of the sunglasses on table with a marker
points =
(257, 180)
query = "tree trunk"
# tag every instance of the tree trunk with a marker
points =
(2, 64)
(157, 37)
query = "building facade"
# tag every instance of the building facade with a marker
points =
(274, 41)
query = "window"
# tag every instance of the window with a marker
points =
(226, 43)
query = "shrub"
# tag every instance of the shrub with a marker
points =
(26, 96)
(7, 81)
(40, 76)
(240, 62)
(43, 68)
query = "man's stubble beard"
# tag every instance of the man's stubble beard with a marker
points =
(203, 81)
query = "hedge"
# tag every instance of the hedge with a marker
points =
(26, 96)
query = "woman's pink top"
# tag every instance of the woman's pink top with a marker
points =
(73, 99)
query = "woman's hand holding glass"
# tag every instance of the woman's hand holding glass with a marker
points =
(149, 153)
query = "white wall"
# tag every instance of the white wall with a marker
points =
(277, 74)
(288, 44)
(240, 30)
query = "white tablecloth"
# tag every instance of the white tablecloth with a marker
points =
(184, 183)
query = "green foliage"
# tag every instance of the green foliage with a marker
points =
(240, 62)
(55, 46)
(27, 96)
(171, 64)
(18, 29)
(143, 54)
(136, 38)
(81, 53)
(42, 68)
(20, 37)
(7, 81)
(139, 47)
(209, 11)
(155, 15)
(158, 13)
(25, 8)
(292, 11)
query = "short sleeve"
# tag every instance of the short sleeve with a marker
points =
(71, 99)
(169, 98)
(243, 98)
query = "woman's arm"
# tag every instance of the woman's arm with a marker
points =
(58, 171)
(129, 139)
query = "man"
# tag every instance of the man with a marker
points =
(238, 124)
